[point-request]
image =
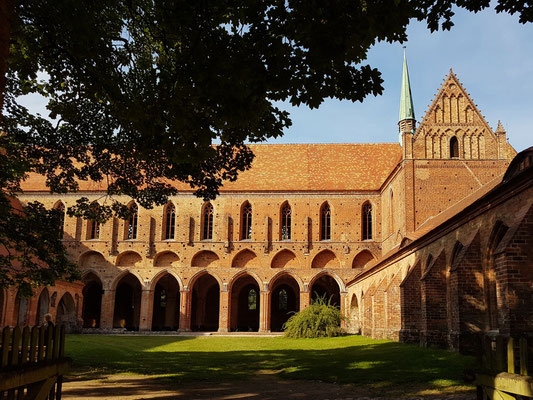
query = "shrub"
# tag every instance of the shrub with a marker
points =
(320, 319)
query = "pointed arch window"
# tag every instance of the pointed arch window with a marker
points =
(325, 222)
(170, 221)
(252, 299)
(246, 221)
(286, 215)
(60, 207)
(207, 223)
(454, 147)
(283, 300)
(367, 221)
(131, 228)
(94, 229)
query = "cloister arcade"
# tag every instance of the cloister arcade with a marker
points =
(206, 304)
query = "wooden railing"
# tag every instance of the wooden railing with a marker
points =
(32, 363)
(504, 373)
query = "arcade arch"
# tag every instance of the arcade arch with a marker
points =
(205, 307)
(166, 307)
(325, 286)
(245, 304)
(66, 313)
(284, 301)
(92, 300)
(127, 303)
(43, 305)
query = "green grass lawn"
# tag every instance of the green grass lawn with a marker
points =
(348, 359)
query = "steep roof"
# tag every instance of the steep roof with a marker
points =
(297, 167)
(407, 109)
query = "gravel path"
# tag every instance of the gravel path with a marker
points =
(263, 386)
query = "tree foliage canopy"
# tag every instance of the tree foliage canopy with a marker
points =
(139, 91)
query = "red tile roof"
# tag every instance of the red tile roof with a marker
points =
(297, 167)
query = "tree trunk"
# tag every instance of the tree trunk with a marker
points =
(6, 14)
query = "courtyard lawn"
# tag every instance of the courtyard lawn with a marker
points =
(350, 359)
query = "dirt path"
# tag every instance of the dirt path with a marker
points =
(262, 386)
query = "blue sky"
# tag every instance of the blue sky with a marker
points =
(491, 54)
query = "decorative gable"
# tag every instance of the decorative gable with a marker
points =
(453, 127)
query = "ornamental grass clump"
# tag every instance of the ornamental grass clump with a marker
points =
(320, 319)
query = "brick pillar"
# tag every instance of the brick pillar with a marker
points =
(185, 310)
(108, 308)
(147, 307)
(224, 311)
(344, 297)
(305, 300)
(264, 311)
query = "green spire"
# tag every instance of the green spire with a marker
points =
(407, 111)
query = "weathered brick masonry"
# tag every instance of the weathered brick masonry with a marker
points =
(420, 241)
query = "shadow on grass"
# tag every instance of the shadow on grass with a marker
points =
(379, 364)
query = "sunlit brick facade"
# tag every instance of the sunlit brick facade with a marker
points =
(305, 220)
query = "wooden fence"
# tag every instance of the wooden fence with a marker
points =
(504, 373)
(32, 363)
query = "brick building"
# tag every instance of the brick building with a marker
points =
(353, 221)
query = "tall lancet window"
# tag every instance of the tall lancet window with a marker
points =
(207, 223)
(60, 207)
(170, 221)
(325, 222)
(93, 226)
(246, 221)
(286, 214)
(131, 228)
(367, 221)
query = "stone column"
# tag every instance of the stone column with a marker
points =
(107, 310)
(185, 310)
(224, 311)
(264, 311)
(147, 307)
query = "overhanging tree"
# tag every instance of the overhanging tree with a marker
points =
(139, 90)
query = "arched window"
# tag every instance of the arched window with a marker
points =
(252, 300)
(325, 222)
(207, 223)
(94, 229)
(170, 221)
(283, 300)
(286, 222)
(60, 207)
(367, 221)
(246, 221)
(131, 228)
(454, 147)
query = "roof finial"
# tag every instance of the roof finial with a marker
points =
(407, 110)
(500, 128)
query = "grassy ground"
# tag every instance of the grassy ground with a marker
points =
(349, 359)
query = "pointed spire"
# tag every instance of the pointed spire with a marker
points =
(500, 128)
(407, 110)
